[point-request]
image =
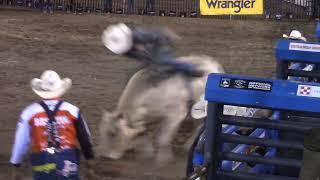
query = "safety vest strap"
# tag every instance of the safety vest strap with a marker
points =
(53, 139)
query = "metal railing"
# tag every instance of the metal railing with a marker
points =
(276, 9)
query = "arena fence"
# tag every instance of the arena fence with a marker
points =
(273, 9)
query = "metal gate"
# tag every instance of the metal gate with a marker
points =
(280, 95)
(297, 61)
(318, 31)
(289, 52)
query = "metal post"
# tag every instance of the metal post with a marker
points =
(281, 69)
(211, 132)
(123, 3)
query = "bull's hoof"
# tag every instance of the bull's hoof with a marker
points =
(105, 158)
(101, 156)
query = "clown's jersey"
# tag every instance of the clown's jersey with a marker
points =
(32, 130)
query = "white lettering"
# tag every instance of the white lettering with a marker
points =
(42, 121)
(304, 47)
(259, 85)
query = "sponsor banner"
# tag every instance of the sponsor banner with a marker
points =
(309, 91)
(304, 47)
(234, 7)
(245, 84)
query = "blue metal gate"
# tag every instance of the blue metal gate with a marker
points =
(280, 95)
(297, 61)
(293, 57)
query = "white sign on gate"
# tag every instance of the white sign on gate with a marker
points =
(304, 47)
(310, 91)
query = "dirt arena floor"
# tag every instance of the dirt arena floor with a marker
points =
(31, 42)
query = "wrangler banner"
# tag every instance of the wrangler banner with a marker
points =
(231, 7)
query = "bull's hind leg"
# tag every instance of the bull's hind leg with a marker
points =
(169, 128)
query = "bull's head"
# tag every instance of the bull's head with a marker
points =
(116, 135)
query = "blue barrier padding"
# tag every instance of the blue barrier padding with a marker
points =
(229, 129)
(263, 168)
(241, 148)
(263, 93)
(274, 134)
(318, 31)
(198, 158)
(291, 50)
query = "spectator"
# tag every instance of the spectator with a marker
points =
(149, 6)
(36, 4)
(47, 6)
(52, 128)
(71, 7)
(131, 6)
(108, 6)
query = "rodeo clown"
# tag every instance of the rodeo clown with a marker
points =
(154, 47)
(52, 127)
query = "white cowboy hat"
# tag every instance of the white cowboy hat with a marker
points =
(50, 85)
(199, 109)
(295, 35)
(118, 38)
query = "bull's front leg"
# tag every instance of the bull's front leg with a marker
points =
(169, 128)
(102, 147)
